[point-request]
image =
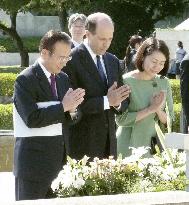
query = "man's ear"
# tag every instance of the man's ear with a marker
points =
(87, 33)
(44, 53)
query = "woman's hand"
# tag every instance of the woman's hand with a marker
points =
(158, 101)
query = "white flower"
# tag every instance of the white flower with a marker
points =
(84, 160)
(55, 184)
(165, 176)
(182, 158)
(143, 163)
(78, 183)
(140, 151)
(67, 181)
(146, 185)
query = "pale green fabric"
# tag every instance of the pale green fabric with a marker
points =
(137, 134)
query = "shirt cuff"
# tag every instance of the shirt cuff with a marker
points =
(106, 103)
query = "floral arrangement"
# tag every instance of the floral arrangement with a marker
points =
(128, 175)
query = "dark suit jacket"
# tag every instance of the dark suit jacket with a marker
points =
(72, 46)
(184, 85)
(40, 158)
(90, 136)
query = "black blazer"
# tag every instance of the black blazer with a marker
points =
(72, 45)
(89, 136)
(40, 158)
(184, 85)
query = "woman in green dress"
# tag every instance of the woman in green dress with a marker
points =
(150, 97)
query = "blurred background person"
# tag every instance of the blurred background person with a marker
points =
(172, 69)
(184, 86)
(150, 92)
(134, 43)
(180, 53)
(76, 26)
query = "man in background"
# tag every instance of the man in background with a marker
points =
(184, 85)
(76, 26)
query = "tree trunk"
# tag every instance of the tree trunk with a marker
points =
(14, 34)
(63, 15)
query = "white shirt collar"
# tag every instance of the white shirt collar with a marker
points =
(93, 55)
(46, 72)
(75, 43)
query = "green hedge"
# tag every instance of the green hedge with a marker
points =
(8, 45)
(11, 69)
(6, 89)
(7, 83)
(6, 117)
(176, 123)
(6, 121)
(175, 86)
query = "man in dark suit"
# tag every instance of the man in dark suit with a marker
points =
(40, 150)
(184, 85)
(99, 73)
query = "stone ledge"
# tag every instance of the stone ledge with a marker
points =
(153, 198)
(5, 99)
(8, 59)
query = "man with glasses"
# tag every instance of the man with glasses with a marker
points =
(44, 106)
(76, 26)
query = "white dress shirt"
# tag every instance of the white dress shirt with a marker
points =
(93, 55)
(47, 73)
(75, 43)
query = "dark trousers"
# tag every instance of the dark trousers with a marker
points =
(177, 68)
(29, 190)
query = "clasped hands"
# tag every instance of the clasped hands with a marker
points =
(116, 94)
(157, 102)
(72, 99)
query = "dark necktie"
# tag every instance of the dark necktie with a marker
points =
(100, 70)
(53, 85)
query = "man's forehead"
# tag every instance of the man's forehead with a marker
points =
(78, 21)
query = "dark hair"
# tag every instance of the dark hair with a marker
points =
(51, 37)
(132, 42)
(74, 17)
(147, 48)
(180, 44)
(92, 20)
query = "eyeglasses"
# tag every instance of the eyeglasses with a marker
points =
(62, 58)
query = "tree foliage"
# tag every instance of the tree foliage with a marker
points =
(130, 16)
(12, 8)
(134, 16)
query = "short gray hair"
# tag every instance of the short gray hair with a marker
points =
(74, 17)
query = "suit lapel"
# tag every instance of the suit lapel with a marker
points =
(43, 81)
(89, 65)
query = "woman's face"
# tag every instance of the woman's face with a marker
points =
(154, 63)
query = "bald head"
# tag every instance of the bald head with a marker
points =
(99, 32)
(98, 19)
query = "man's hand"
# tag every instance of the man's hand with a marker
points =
(72, 99)
(117, 95)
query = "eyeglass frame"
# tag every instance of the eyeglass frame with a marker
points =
(62, 58)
